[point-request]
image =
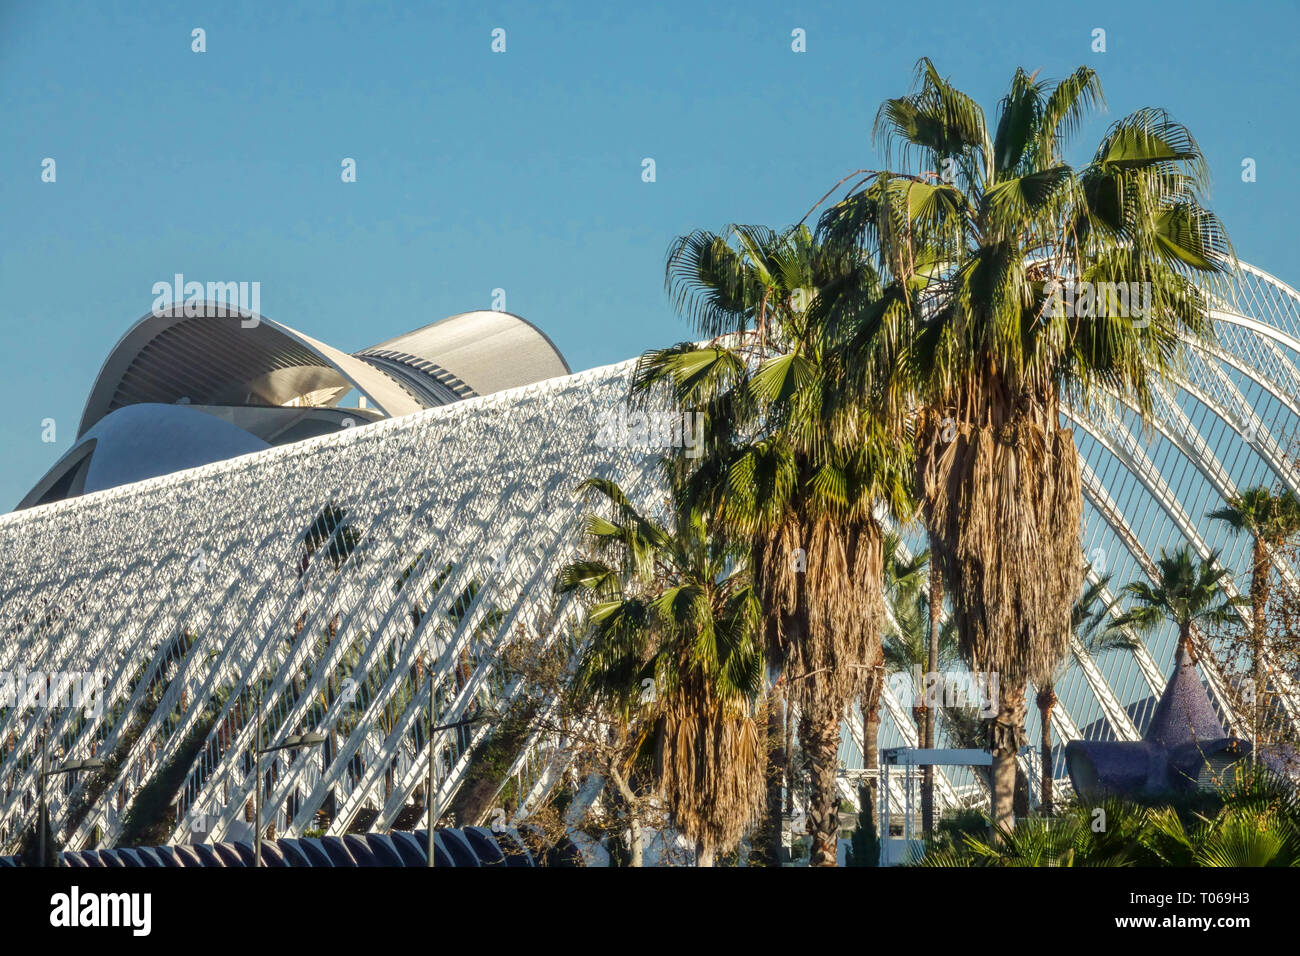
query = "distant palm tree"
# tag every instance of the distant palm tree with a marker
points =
(940, 631)
(1086, 620)
(338, 540)
(907, 650)
(1187, 592)
(674, 647)
(903, 579)
(1271, 520)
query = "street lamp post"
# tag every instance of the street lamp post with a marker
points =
(41, 818)
(429, 796)
(292, 742)
(71, 766)
(428, 790)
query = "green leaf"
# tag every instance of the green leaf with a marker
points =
(778, 379)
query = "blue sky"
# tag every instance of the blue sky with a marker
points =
(520, 170)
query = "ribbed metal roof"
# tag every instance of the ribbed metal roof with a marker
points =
(486, 351)
(214, 359)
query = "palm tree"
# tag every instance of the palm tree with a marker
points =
(941, 630)
(903, 579)
(971, 345)
(339, 540)
(674, 648)
(793, 464)
(1086, 620)
(1270, 520)
(908, 649)
(1187, 592)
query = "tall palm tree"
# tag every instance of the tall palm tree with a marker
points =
(793, 463)
(1187, 592)
(1087, 618)
(1271, 520)
(674, 648)
(903, 580)
(977, 239)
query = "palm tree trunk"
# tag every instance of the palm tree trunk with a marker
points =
(1004, 497)
(703, 855)
(634, 842)
(1046, 701)
(787, 752)
(871, 729)
(778, 764)
(830, 629)
(931, 713)
(1259, 601)
(819, 736)
(767, 845)
(1006, 733)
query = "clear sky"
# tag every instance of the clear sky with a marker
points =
(519, 170)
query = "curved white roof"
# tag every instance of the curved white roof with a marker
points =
(487, 351)
(219, 358)
(168, 356)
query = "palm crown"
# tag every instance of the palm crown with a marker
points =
(986, 227)
(780, 424)
(1186, 592)
(1257, 511)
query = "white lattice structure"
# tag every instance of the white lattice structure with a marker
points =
(478, 495)
(193, 592)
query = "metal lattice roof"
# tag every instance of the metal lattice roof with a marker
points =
(193, 593)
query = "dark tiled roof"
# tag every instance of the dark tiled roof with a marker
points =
(1184, 714)
(476, 846)
(1183, 731)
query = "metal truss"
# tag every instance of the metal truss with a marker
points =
(197, 596)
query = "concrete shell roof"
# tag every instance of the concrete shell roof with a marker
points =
(488, 351)
(212, 357)
(222, 359)
(215, 360)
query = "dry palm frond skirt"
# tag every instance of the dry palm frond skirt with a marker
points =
(710, 768)
(822, 584)
(822, 589)
(1006, 507)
